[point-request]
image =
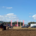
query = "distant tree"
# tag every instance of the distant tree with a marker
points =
(31, 23)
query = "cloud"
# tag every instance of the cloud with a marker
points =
(29, 16)
(31, 13)
(9, 17)
(3, 7)
(8, 7)
(29, 21)
(34, 16)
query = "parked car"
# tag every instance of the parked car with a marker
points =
(25, 26)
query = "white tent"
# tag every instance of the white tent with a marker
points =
(32, 25)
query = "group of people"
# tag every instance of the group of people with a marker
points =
(9, 26)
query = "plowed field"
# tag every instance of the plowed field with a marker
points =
(18, 32)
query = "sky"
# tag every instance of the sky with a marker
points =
(18, 10)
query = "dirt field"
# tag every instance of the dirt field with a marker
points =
(18, 32)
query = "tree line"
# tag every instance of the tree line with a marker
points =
(13, 23)
(29, 23)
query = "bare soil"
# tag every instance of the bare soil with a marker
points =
(18, 32)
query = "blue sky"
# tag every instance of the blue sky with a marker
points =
(23, 9)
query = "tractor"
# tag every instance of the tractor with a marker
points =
(2, 26)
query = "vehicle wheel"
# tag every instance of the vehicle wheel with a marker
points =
(4, 27)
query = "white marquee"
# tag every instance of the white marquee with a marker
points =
(32, 25)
